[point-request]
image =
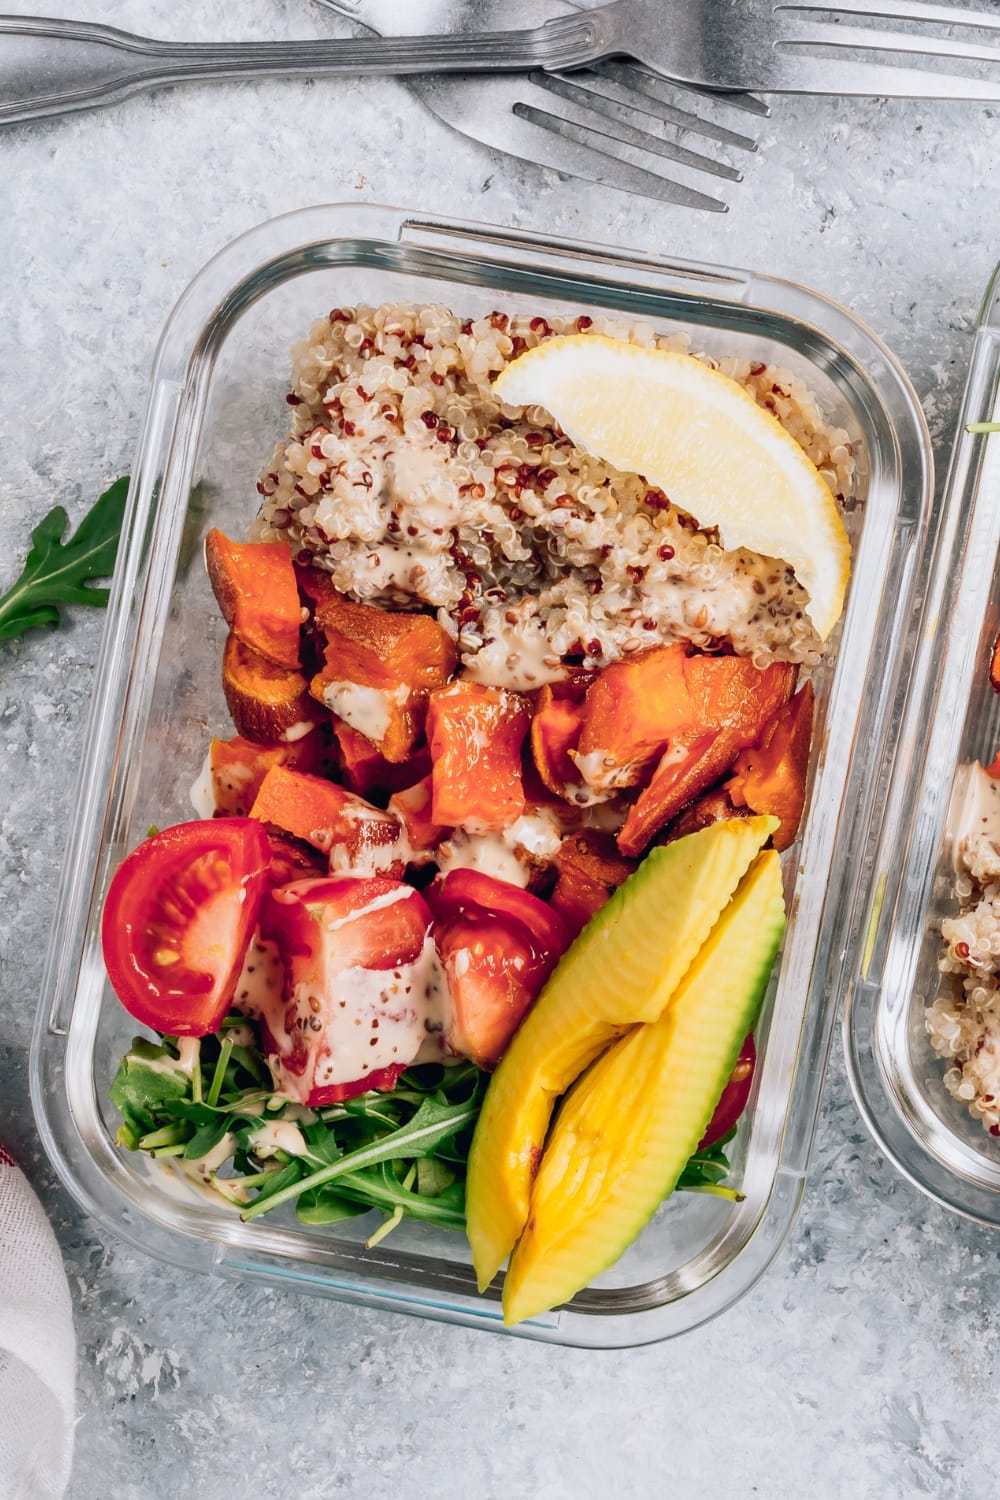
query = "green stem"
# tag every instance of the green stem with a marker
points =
(222, 1062)
(167, 1135)
(982, 426)
(715, 1190)
(390, 1148)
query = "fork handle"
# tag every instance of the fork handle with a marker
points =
(50, 67)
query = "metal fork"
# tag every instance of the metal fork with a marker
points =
(761, 46)
(585, 125)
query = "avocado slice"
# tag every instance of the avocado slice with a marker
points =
(627, 1128)
(621, 970)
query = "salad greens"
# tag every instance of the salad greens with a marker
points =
(210, 1105)
(57, 572)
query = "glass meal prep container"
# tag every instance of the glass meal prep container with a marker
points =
(216, 407)
(952, 718)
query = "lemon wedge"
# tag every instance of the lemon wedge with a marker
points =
(701, 438)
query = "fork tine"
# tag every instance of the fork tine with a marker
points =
(847, 76)
(627, 81)
(619, 129)
(598, 142)
(870, 39)
(905, 10)
(653, 81)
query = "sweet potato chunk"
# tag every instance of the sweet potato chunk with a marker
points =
(475, 735)
(379, 665)
(254, 583)
(413, 807)
(631, 710)
(715, 806)
(733, 700)
(555, 733)
(291, 859)
(995, 666)
(365, 769)
(358, 838)
(770, 776)
(267, 703)
(237, 767)
(730, 692)
(590, 870)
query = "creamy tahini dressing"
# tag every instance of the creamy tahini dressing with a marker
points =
(372, 1019)
(516, 656)
(505, 855)
(378, 845)
(202, 793)
(485, 852)
(366, 709)
(974, 812)
(297, 731)
(279, 1135)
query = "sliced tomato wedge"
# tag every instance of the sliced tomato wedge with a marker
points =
(355, 991)
(733, 1099)
(498, 944)
(178, 919)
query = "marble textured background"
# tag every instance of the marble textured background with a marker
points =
(865, 1362)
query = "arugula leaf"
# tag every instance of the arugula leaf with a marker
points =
(378, 1187)
(324, 1206)
(432, 1124)
(148, 1081)
(57, 572)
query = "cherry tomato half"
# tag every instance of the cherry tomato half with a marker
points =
(498, 944)
(348, 1015)
(178, 919)
(733, 1099)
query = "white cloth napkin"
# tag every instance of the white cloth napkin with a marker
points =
(37, 1348)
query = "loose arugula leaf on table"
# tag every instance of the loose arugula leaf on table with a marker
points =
(57, 572)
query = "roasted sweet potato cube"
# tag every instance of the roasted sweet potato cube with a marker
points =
(475, 735)
(734, 700)
(590, 870)
(365, 770)
(254, 583)
(715, 806)
(237, 767)
(379, 666)
(358, 838)
(413, 806)
(691, 764)
(555, 732)
(729, 692)
(995, 666)
(770, 776)
(291, 860)
(267, 703)
(631, 710)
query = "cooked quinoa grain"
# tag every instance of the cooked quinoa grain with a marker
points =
(963, 1022)
(415, 487)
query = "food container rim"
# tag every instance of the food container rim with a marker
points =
(837, 344)
(877, 1017)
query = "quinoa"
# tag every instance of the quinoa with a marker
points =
(963, 1022)
(410, 482)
